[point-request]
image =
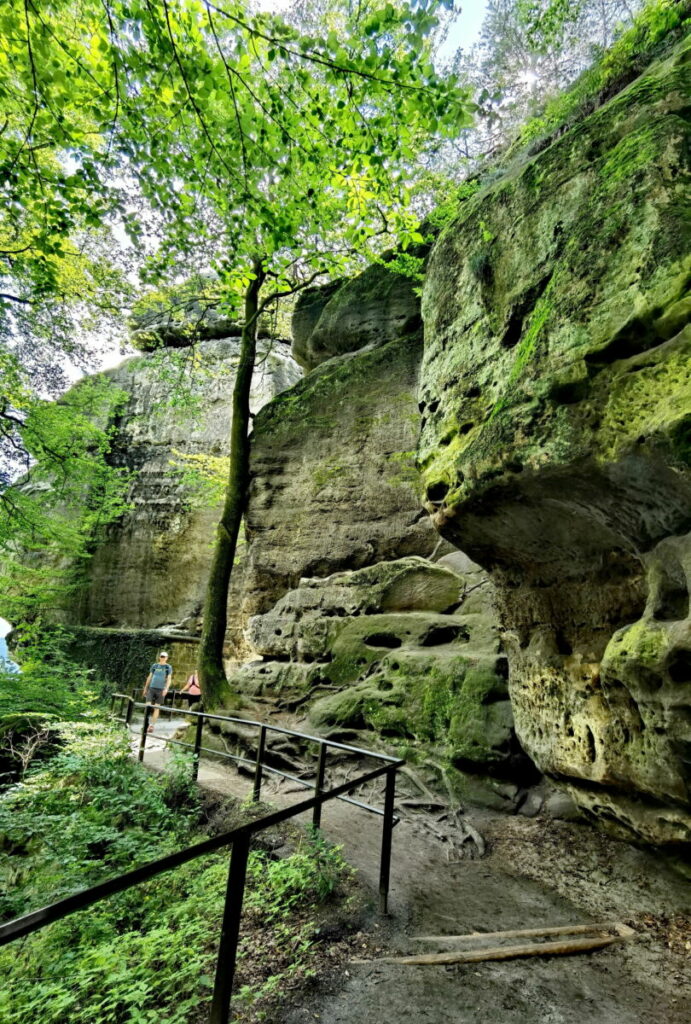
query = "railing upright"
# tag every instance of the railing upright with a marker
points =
(319, 785)
(197, 746)
(261, 747)
(386, 837)
(230, 931)
(128, 713)
(145, 729)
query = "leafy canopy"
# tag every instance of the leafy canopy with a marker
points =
(244, 135)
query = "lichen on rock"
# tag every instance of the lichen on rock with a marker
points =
(371, 309)
(556, 403)
(408, 651)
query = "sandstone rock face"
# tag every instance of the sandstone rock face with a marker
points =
(556, 443)
(413, 653)
(334, 484)
(372, 309)
(151, 570)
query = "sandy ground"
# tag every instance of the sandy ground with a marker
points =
(535, 873)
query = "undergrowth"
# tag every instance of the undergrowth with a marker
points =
(146, 955)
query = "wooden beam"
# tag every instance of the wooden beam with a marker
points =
(519, 933)
(512, 952)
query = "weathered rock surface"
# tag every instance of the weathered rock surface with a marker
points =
(152, 567)
(334, 484)
(412, 652)
(556, 401)
(372, 309)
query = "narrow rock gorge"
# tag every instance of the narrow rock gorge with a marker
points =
(467, 531)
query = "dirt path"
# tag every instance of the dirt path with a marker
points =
(536, 873)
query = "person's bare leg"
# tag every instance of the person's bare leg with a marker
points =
(154, 716)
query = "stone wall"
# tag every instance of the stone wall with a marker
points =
(334, 484)
(151, 569)
(556, 402)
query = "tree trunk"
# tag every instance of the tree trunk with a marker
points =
(212, 674)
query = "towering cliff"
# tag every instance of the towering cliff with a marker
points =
(334, 484)
(150, 571)
(542, 416)
(556, 413)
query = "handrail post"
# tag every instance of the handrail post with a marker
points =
(145, 729)
(128, 713)
(257, 791)
(319, 785)
(387, 829)
(230, 931)
(197, 745)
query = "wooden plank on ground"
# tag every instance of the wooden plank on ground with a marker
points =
(562, 947)
(519, 933)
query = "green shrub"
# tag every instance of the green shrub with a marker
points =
(146, 955)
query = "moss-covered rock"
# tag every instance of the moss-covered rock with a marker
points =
(359, 651)
(372, 309)
(151, 567)
(556, 402)
(334, 485)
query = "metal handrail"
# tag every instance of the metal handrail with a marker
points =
(262, 725)
(258, 763)
(238, 838)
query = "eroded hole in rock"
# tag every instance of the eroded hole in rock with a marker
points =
(590, 751)
(521, 311)
(438, 491)
(437, 635)
(679, 666)
(387, 640)
(514, 329)
(569, 392)
(563, 645)
(278, 632)
(466, 428)
(473, 392)
(434, 405)
(501, 667)
(672, 598)
(637, 336)
(385, 685)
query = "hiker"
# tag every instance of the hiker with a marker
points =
(191, 691)
(157, 685)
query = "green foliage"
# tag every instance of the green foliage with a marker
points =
(310, 874)
(204, 477)
(50, 516)
(148, 954)
(657, 24)
(50, 689)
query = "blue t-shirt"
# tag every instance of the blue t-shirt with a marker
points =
(159, 675)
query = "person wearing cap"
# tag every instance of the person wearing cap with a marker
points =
(157, 685)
